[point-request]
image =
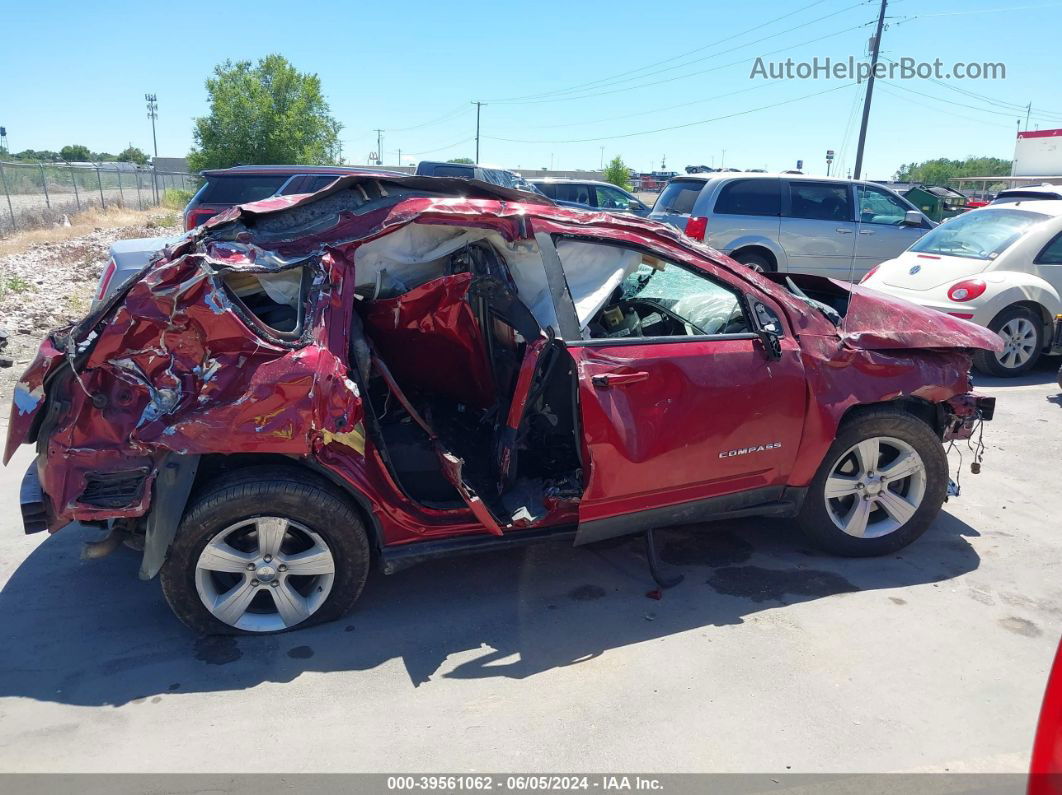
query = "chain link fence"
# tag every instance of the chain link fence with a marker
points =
(37, 194)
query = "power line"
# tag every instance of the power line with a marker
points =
(1011, 107)
(740, 62)
(980, 11)
(652, 111)
(842, 151)
(441, 148)
(606, 83)
(448, 116)
(672, 127)
(1007, 113)
(941, 110)
(580, 86)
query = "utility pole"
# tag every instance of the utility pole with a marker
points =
(379, 146)
(478, 106)
(1028, 110)
(400, 156)
(601, 167)
(870, 93)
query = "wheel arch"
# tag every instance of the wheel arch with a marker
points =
(759, 243)
(932, 414)
(1029, 292)
(756, 248)
(163, 521)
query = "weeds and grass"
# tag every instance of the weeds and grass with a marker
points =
(84, 223)
(77, 305)
(13, 283)
(175, 198)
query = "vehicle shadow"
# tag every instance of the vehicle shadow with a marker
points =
(90, 633)
(1045, 371)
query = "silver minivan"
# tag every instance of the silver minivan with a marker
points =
(792, 222)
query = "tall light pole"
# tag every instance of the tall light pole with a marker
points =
(379, 146)
(478, 106)
(153, 113)
(870, 93)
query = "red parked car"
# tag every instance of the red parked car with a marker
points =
(397, 368)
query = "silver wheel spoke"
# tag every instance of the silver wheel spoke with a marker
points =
(231, 605)
(290, 604)
(856, 521)
(896, 506)
(867, 490)
(840, 486)
(867, 452)
(219, 556)
(316, 560)
(270, 535)
(265, 570)
(904, 466)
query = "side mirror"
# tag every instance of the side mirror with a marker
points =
(765, 325)
(912, 218)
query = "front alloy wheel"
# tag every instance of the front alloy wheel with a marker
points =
(875, 487)
(879, 486)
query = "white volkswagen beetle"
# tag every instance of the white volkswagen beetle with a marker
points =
(1000, 267)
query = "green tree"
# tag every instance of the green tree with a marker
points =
(132, 154)
(618, 173)
(466, 160)
(32, 154)
(75, 152)
(264, 113)
(940, 170)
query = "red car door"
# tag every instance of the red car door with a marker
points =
(681, 425)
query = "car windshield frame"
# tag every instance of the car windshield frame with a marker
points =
(943, 240)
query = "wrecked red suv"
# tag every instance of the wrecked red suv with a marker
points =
(399, 368)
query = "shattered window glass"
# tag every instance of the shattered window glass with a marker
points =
(274, 298)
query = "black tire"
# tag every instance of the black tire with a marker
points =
(815, 519)
(1060, 378)
(754, 260)
(267, 491)
(989, 364)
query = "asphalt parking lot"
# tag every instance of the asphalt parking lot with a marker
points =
(770, 656)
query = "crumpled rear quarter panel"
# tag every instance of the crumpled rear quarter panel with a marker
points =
(181, 371)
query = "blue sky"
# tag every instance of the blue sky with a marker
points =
(556, 77)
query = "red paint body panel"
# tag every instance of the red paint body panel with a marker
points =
(876, 321)
(1046, 765)
(180, 365)
(663, 439)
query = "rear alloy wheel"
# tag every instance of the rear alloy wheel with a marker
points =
(758, 262)
(1022, 333)
(265, 574)
(266, 550)
(879, 487)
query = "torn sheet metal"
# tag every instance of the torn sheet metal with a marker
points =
(877, 321)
